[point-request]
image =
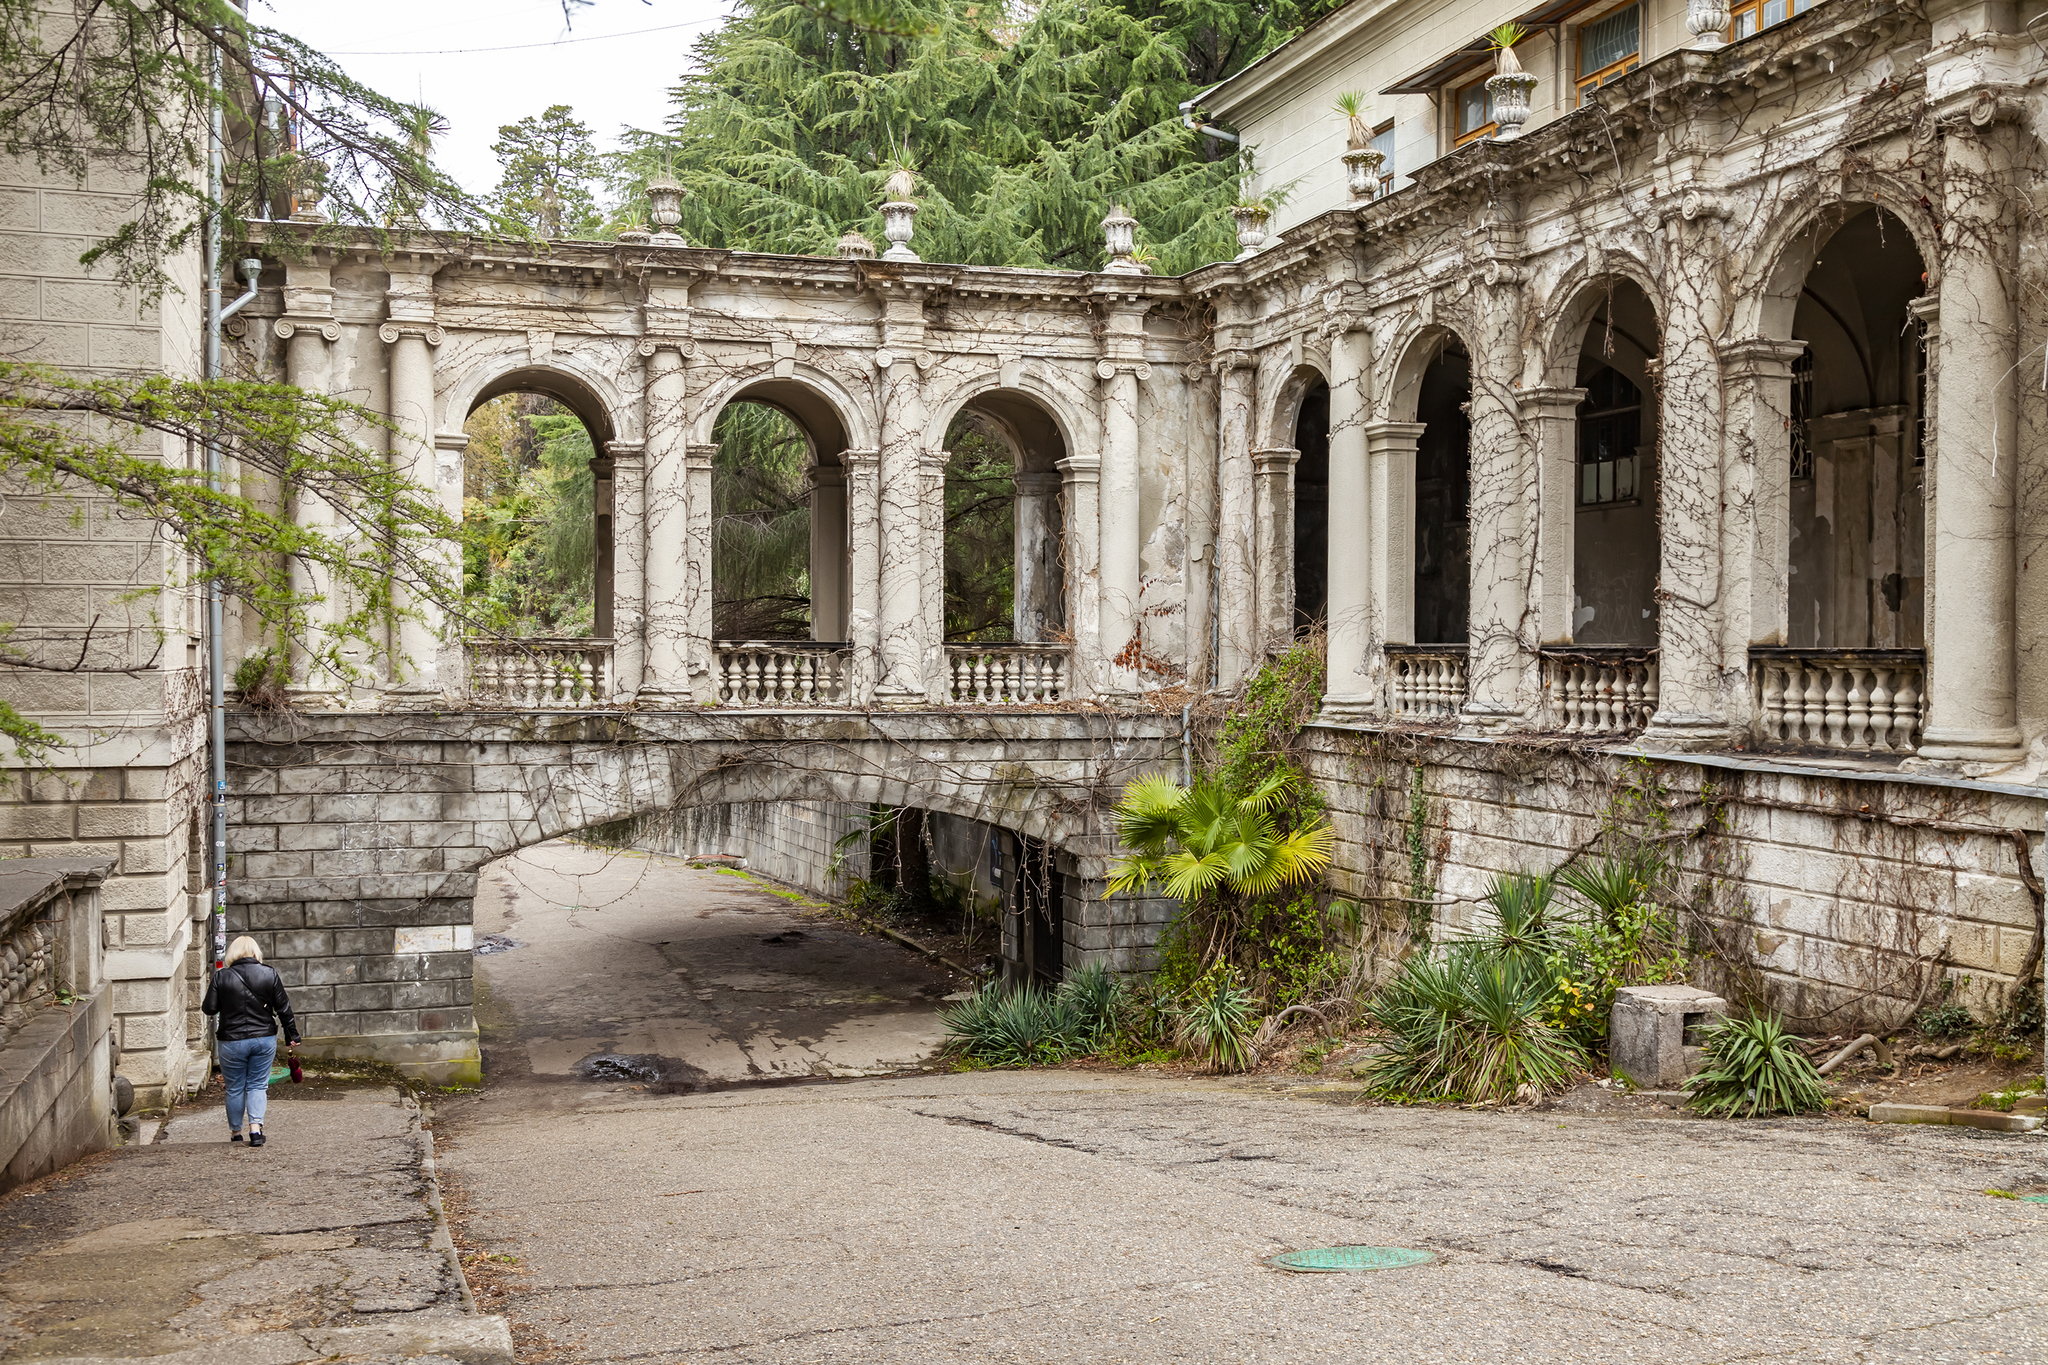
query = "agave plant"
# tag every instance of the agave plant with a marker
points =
(1215, 1022)
(1752, 1068)
(1193, 840)
(1358, 128)
(1503, 40)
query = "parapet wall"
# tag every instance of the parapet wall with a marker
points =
(1839, 899)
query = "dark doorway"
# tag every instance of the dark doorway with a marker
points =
(1443, 465)
(1312, 509)
(1041, 917)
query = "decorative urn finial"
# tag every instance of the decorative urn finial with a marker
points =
(1120, 236)
(665, 207)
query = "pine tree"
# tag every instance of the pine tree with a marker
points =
(548, 166)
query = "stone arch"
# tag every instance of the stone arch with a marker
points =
(830, 416)
(1766, 295)
(991, 388)
(1276, 427)
(1415, 347)
(566, 377)
(1575, 300)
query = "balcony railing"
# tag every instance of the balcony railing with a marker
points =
(1006, 675)
(1425, 682)
(782, 672)
(1861, 701)
(1600, 691)
(558, 675)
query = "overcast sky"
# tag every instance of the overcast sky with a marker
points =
(608, 67)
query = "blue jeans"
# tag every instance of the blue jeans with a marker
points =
(245, 1066)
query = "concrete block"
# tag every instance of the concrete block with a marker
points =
(1990, 1120)
(1653, 1032)
(364, 996)
(1909, 1113)
(20, 298)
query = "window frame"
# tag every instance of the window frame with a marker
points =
(1752, 9)
(1614, 70)
(1385, 130)
(1633, 460)
(1486, 129)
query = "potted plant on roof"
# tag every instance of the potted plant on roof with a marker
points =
(899, 206)
(1251, 212)
(1361, 163)
(1509, 85)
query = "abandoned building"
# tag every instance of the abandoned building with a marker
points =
(1666, 422)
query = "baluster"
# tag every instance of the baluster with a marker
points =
(1568, 696)
(750, 683)
(1906, 711)
(1880, 710)
(1859, 708)
(1013, 679)
(1606, 714)
(991, 678)
(1771, 700)
(726, 681)
(1838, 710)
(1816, 705)
(1632, 697)
(1650, 687)
(1059, 677)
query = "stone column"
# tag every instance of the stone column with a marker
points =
(1036, 555)
(828, 552)
(666, 515)
(1551, 417)
(1084, 573)
(417, 651)
(1972, 637)
(863, 571)
(931, 504)
(1119, 622)
(629, 566)
(1273, 566)
(1500, 651)
(308, 366)
(1236, 515)
(1390, 531)
(699, 654)
(1701, 688)
(903, 662)
(1198, 571)
(1348, 691)
(1758, 375)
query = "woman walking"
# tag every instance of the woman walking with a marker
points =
(251, 1003)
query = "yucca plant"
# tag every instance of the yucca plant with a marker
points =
(1214, 1023)
(1752, 1068)
(1503, 40)
(1467, 1026)
(1086, 1005)
(1004, 1027)
(1608, 886)
(1193, 840)
(1357, 120)
(1522, 930)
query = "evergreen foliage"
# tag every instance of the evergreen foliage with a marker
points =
(529, 520)
(549, 168)
(761, 526)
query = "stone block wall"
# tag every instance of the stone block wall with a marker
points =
(1839, 899)
(791, 841)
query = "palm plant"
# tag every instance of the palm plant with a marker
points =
(1467, 1026)
(1752, 1068)
(1204, 838)
(1357, 127)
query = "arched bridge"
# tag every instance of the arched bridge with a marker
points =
(357, 838)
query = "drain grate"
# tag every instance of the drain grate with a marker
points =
(1350, 1258)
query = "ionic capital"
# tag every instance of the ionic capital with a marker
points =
(1109, 369)
(392, 331)
(287, 328)
(682, 346)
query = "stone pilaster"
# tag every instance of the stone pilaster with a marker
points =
(1390, 531)
(1084, 571)
(699, 663)
(864, 570)
(1236, 516)
(902, 544)
(666, 517)
(1348, 691)
(412, 335)
(1273, 562)
(1758, 530)
(1551, 418)
(1122, 632)
(629, 566)
(308, 337)
(1972, 660)
(931, 503)
(1501, 659)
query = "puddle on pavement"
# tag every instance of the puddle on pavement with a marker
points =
(787, 936)
(495, 943)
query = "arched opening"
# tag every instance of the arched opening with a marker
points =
(1857, 563)
(779, 534)
(1614, 540)
(1443, 462)
(1004, 575)
(1312, 508)
(537, 503)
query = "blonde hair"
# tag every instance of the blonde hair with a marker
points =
(241, 948)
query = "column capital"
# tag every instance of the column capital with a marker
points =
(699, 456)
(1927, 308)
(1110, 369)
(1394, 435)
(1275, 459)
(626, 452)
(1550, 401)
(828, 475)
(934, 461)
(682, 346)
(285, 328)
(1227, 362)
(390, 332)
(1036, 482)
(1081, 468)
(451, 440)
(865, 458)
(1760, 357)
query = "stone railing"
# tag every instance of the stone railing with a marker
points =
(56, 1016)
(782, 672)
(28, 966)
(1603, 691)
(1425, 682)
(548, 675)
(1006, 675)
(1846, 700)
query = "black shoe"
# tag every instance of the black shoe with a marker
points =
(234, 1137)
(255, 1139)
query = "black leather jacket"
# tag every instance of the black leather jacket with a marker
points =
(246, 996)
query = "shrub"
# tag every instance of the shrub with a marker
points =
(1945, 1021)
(262, 678)
(1467, 1026)
(1029, 1026)
(1623, 937)
(1752, 1068)
(1214, 1022)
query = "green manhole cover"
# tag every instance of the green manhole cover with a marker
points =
(2034, 1198)
(1351, 1258)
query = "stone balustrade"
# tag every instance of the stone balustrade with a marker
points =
(553, 675)
(1425, 682)
(782, 672)
(1605, 692)
(1006, 675)
(27, 969)
(1862, 701)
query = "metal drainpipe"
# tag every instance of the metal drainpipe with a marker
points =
(1188, 120)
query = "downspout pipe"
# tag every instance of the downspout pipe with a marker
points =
(1188, 120)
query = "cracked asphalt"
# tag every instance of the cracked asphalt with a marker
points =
(1060, 1216)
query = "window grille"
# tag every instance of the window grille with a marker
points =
(1610, 435)
(1610, 48)
(1802, 408)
